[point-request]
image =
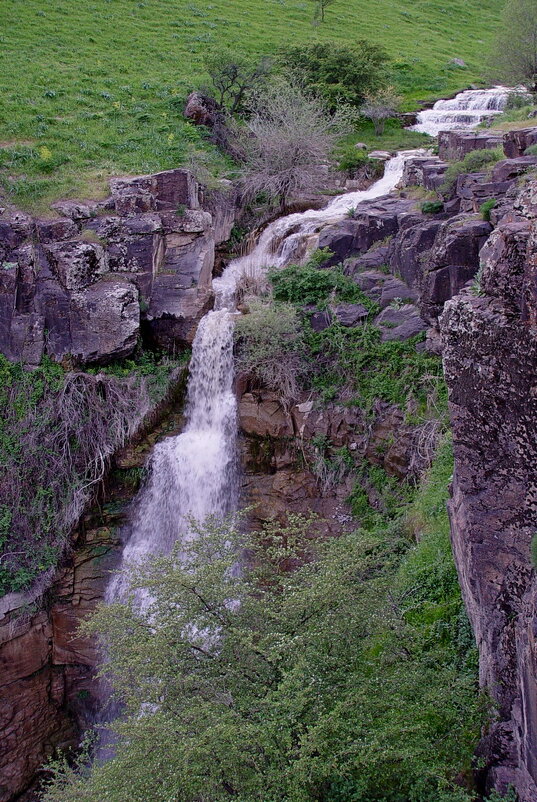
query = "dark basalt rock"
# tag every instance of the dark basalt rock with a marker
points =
(451, 263)
(400, 323)
(516, 142)
(411, 244)
(490, 363)
(375, 221)
(350, 314)
(454, 145)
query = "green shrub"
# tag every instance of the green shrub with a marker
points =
(432, 207)
(392, 371)
(351, 678)
(337, 74)
(473, 162)
(270, 347)
(351, 159)
(307, 284)
(486, 208)
(531, 151)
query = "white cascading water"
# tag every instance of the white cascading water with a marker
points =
(466, 110)
(193, 475)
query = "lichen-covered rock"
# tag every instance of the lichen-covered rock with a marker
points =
(490, 362)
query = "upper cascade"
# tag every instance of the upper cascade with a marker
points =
(466, 110)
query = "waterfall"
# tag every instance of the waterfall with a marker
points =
(194, 474)
(466, 110)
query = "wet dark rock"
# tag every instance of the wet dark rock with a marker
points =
(375, 221)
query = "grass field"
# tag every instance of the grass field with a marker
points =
(91, 88)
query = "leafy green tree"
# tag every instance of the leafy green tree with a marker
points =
(337, 75)
(514, 56)
(246, 680)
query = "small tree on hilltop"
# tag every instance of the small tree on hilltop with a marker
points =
(514, 57)
(288, 142)
(320, 8)
(380, 107)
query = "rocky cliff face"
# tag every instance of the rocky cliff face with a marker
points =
(48, 690)
(490, 358)
(84, 284)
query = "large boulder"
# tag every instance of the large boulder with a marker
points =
(516, 142)
(400, 323)
(168, 190)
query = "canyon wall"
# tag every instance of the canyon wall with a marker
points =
(490, 358)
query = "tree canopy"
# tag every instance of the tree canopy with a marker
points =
(250, 681)
(335, 74)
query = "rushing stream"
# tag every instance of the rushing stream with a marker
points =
(194, 474)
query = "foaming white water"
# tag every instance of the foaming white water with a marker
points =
(294, 236)
(192, 475)
(466, 110)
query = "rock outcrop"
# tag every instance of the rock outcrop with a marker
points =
(84, 286)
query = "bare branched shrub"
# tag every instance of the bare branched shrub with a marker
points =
(379, 107)
(271, 348)
(288, 144)
(63, 447)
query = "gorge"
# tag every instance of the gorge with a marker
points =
(147, 252)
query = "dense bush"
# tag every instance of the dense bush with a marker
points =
(355, 359)
(349, 679)
(351, 160)
(486, 208)
(307, 284)
(432, 207)
(336, 74)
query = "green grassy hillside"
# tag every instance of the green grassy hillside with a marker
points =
(90, 88)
